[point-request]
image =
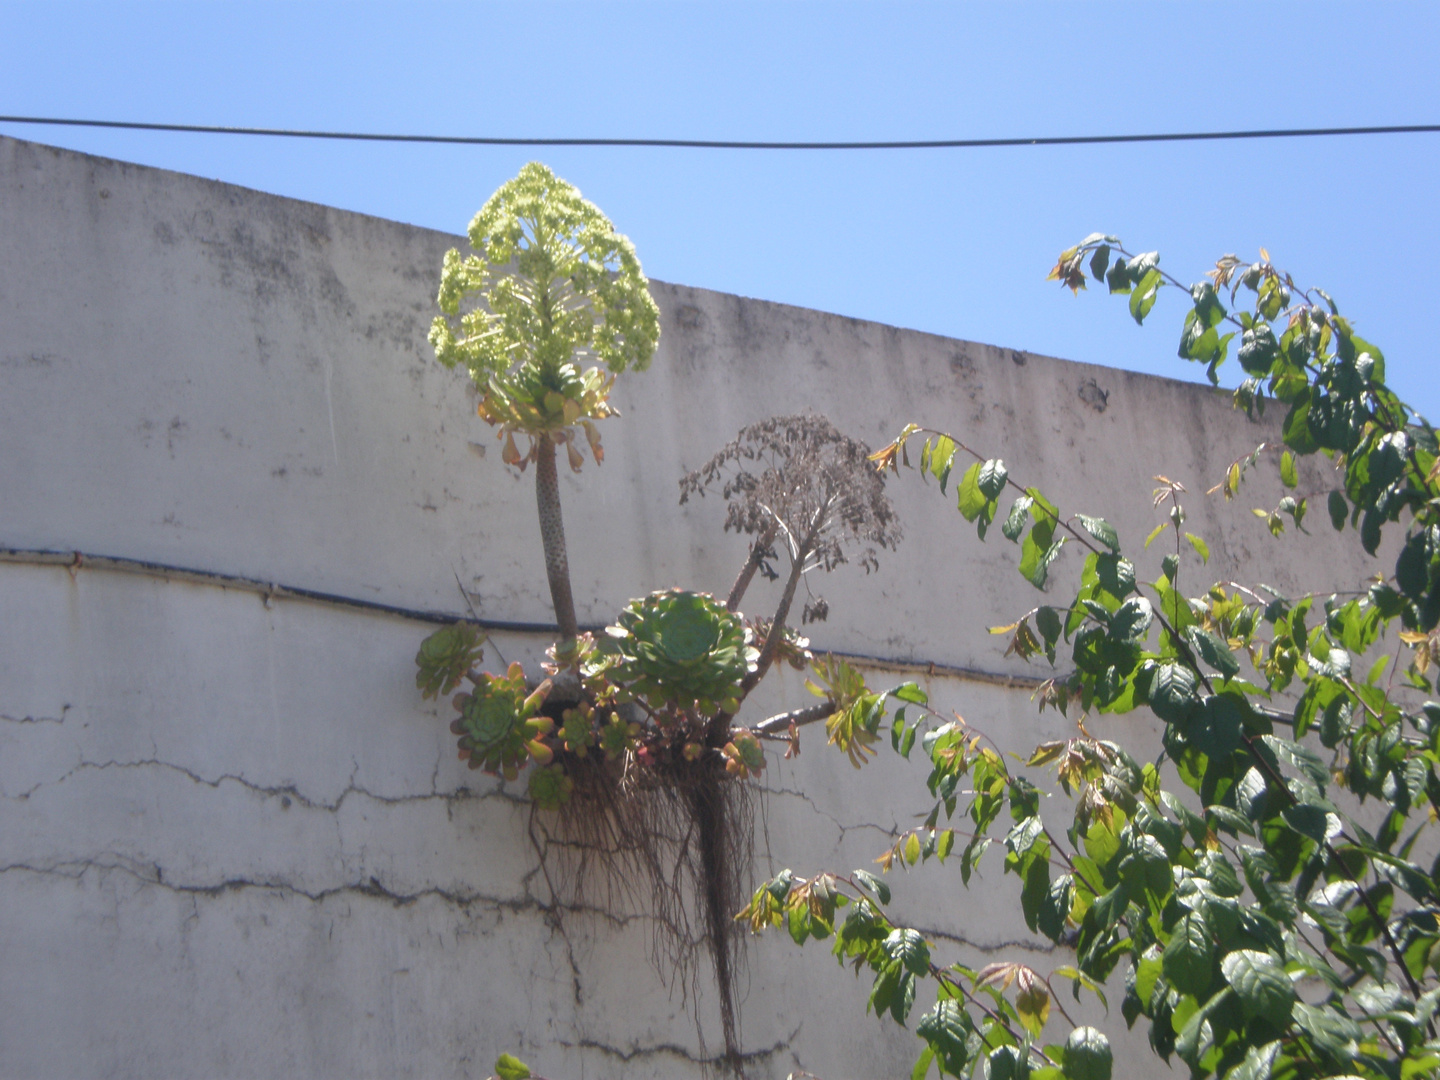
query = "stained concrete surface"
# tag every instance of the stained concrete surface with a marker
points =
(235, 842)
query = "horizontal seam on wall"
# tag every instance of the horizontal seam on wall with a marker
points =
(75, 561)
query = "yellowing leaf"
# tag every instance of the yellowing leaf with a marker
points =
(912, 849)
(1047, 752)
(1033, 1006)
(511, 454)
(1002, 974)
(593, 437)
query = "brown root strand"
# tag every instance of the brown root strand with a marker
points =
(673, 841)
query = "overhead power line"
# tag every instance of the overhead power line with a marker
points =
(728, 144)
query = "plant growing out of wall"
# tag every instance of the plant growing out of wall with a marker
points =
(631, 736)
(550, 285)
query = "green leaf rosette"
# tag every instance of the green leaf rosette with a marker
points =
(683, 650)
(550, 788)
(499, 731)
(445, 656)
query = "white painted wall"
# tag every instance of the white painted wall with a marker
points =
(234, 842)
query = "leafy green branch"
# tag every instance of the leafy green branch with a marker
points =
(1219, 935)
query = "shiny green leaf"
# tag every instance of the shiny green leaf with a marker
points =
(1288, 475)
(1339, 509)
(1262, 985)
(1143, 297)
(1172, 692)
(909, 948)
(874, 884)
(1189, 958)
(1101, 529)
(1132, 620)
(1015, 522)
(1087, 1055)
(1213, 650)
(991, 478)
(946, 1030)
(971, 500)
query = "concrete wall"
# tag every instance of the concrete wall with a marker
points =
(235, 842)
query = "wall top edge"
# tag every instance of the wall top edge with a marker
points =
(779, 309)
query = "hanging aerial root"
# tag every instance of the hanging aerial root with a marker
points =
(674, 843)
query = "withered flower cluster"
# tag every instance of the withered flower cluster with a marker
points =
(798, 478)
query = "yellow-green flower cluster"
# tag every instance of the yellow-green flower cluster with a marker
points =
(554, 286)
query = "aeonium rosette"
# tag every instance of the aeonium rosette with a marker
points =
(681, 650)
(498, 726)
(445, 656)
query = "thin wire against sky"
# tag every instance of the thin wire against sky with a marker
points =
(729, 144)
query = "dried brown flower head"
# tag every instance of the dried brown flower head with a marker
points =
(800, 477)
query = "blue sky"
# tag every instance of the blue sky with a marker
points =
(955, 242)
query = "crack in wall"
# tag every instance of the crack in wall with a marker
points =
(1034, 946)
(36, 719)
(291, 795)
(891, 832)
(283, 791)
(152, 875)
(552, 912)
(675, 1050)
(376, 889)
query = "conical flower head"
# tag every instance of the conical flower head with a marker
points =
(551, 286)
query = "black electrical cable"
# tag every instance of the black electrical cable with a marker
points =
(724, 144)
(80, 561)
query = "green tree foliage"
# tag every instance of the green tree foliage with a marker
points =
(1266, 887)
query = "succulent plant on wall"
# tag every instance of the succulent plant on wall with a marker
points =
(635, 731)
(682, 652)
(499, 727)
(550, 285)
(444, 658)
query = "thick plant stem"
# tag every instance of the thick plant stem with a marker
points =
(716, 886)
(777, 624)
(552, 533)
(781, 722)
(747, 572)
